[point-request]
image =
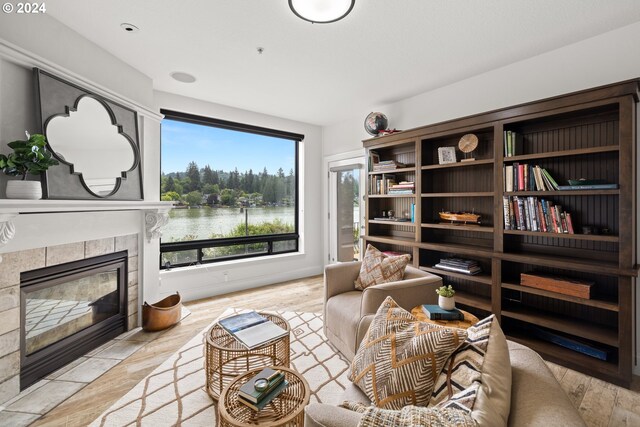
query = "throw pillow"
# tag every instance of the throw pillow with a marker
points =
(400, 358)
(410, 416)
(477, 376)
(377, 268)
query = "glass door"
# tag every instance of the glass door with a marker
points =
(346, 209)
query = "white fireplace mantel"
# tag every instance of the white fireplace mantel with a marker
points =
(156, 213)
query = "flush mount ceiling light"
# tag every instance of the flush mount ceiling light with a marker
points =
(183, 77)
(321, 11)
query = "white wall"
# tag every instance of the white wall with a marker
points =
(607, 58)
(209, 279)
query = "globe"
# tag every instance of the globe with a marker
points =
(375, 123)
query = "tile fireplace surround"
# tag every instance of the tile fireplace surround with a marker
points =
(14, 263)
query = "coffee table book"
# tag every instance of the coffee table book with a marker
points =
(248, 390)
(268, 398)
(252, 329)
(238, 322)
(434, 312)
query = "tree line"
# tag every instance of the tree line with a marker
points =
(196, 187)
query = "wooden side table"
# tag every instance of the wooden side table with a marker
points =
(225, 357)
(469, 319)
(285, 410)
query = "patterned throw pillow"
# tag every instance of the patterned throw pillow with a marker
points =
(410, 416)
(477, 376)
(379, 268)
(400, 358)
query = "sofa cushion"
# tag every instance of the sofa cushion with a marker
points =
(475, 379)
(400, 357)
(410, 416)
(377, 268)
(343, 316)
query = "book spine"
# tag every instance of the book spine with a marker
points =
(569, 223)
(520, 177)
(505, 210)
(543, 224)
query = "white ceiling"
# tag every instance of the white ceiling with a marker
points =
(384, 51)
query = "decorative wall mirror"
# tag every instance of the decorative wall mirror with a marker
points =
(95, 140)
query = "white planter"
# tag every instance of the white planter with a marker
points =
(24, 190)
(446, 303)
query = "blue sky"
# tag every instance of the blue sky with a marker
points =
(222, 149)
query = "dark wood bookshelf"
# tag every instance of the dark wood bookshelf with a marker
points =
(589, 134)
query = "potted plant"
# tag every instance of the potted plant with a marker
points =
(445, 298)
(28, 157)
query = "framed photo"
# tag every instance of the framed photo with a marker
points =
(446, 155)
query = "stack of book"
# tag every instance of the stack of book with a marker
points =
(459, 265)
(434, 312)
(512, 143)
(531, 214)
(404, 187)
(270, 384)
(525, 177)
(385, 165)
(381, 184)
(252, 329)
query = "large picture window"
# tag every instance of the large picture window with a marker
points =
(235, 188)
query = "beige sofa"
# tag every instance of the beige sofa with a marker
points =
(536, 396)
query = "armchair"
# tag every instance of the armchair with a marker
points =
(348, 311)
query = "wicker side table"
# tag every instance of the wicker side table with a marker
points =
(225, 357)
(285, 410)
(469, 319)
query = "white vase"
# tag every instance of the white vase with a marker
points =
(24, 190)
(446, 303)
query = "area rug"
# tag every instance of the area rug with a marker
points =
(174, 394)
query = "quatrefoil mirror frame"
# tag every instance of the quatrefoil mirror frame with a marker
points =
(58, 98)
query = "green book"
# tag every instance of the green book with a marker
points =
(268, 398)
(550, 178)
(248, 391)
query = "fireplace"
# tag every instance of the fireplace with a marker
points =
(68, 310)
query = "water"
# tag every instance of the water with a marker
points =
(205, 221)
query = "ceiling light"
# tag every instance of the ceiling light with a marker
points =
(129, 28)
(183, 77)
(321, 11)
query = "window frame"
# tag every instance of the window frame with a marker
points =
(270, 239)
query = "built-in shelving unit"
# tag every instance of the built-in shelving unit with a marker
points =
(589, 134)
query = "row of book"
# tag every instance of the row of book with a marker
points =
(262, 388)
(460, 265)
(380, 184)
(513, 142)
(403, 187)
(525, 177)
(533, 214)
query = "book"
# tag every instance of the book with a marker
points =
(434, 312)
(259, 334)
(571, 343)
(268, 398)
(562, 285)
(248, 390)
(241, 321)
(588, 187)
(470, 271)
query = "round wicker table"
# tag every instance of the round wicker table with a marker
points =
(285, 410)
(225, 357)
(469, 319)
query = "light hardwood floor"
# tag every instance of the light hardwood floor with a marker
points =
(600, 403)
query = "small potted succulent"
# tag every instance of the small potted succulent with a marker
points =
(445, 298)
(28, 157)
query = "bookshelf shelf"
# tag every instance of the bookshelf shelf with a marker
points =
(597, 303)
(574, 327)
(478, 278)
(459, 227)
(459, 164)
(393, 171)
(461, 194)
(391, 196)
(591, 237)
(591, 134)
(563, 153)
(402, 223)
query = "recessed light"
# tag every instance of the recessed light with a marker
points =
(129, 28)
(183, 77)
